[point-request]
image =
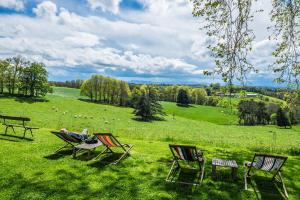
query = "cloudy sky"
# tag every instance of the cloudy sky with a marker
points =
(134, 40)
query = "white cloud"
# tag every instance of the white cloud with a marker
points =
(17, 5)
(105, 5)
(46, 9)
(81, 39)
(72, 40)
(162, 40)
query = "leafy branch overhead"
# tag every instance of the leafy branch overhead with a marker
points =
(227, 23)
(286, 15)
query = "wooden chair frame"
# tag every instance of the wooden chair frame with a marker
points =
(125, 147)
(70, 141)
(176, 165)
(277, 176)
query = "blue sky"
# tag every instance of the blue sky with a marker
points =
(134, 40)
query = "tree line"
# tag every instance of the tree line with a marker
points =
(255, 112)
(106, 90)
(70, 84)
(19, 76)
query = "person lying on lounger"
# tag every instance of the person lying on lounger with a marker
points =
(80, 136)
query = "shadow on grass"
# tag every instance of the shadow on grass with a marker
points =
(185, 106)
(14, 138)
(22, 99)
(75, 183)
(156, 118)
(265, 188)
(107, 159)
(60, 154)
(85, 156)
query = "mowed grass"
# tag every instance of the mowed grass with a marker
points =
(211, 114)
(30, 170)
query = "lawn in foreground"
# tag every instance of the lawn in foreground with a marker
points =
(29, 170)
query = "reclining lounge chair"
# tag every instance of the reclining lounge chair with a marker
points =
(109, 141)
(266, 163)
(187, 154)
(71, 142)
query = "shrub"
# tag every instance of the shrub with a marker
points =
(252, 112)
(212, 101)
(224, 103)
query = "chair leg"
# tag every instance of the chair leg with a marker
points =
(245, 179)
(171, 170)
(61, 148)
(283, 185)
(202, 171)
(102, 152)
(74, 152)
(123, 156)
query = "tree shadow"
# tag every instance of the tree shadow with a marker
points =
(185, 105)
(152, 119)
(30, 100)
(75, 183)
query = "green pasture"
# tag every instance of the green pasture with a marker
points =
(30, 170)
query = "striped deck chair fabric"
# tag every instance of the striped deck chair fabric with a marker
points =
(267, 163)
(188, 154)
(109, 141)
(185, 153)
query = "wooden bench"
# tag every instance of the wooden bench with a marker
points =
(7, 123)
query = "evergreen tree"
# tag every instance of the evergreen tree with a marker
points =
(147, 105)
(282, 118)
(182, 98)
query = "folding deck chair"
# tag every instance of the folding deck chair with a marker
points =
(71, 142)
(187, 154)
(266, 163)
(109, 141)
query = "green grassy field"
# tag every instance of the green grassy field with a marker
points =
(30, 170)
(214, 115)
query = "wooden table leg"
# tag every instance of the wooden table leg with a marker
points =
(234, 173)
(214, 171)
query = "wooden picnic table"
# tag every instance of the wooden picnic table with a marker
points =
(224, 163)
(7, 122)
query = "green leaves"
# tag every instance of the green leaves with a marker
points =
(286, 16)
(226, 23)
